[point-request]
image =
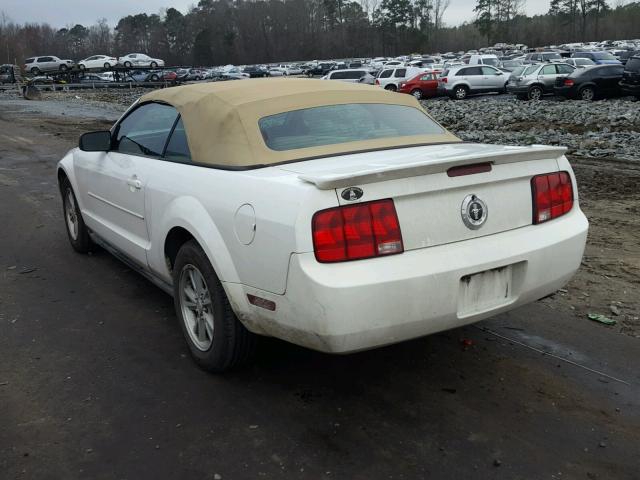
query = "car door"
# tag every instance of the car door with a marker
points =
(492, 79)
(112, 184)
(547, 77)
(44, 64)
(609, 79)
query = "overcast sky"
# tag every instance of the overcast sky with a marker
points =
(60, 13)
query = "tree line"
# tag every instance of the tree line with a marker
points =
(217, 32)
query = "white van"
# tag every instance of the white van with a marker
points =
(484, 60)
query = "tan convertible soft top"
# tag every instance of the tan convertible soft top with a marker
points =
(221, 118)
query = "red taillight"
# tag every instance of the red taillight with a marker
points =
(443, 80)
(377, 82)
(552, 196)
(568, 82)
(354, 232)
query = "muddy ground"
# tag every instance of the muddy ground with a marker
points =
(96, 382)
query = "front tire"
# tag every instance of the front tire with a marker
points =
(535, 93)
(153, 65)
(216, 338)
(127, 64)
(63, 68)
(417, 93)
(460, 93)
(82, 67)
(76, 229)
(107, 66)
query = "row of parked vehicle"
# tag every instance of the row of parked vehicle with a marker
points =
(51, 63)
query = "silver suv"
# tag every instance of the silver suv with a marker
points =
(538, 80)
(38, 65)
(461, 81)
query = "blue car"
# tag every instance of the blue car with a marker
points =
(599, 58)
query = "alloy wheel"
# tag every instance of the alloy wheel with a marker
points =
(71, 214)
(587, 94)
(196, 307)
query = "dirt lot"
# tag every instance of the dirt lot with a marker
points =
(95, 379)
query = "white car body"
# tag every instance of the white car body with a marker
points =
(349, 75)
(98, 61)
(140, 60)
(255, 228)
(391, 78)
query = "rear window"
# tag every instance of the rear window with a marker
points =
(490, 61)
(335, 124)
(29, 60)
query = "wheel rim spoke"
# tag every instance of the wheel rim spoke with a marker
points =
(196, 306)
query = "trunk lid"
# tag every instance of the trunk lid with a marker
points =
(429, 201)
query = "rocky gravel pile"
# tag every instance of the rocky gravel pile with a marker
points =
(609, 128)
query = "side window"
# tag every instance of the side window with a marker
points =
(45, 59)
(401, 73)
(474, 71)
(386, 74)
(426, 78)
(178, 147)
(338, 75)
(354, 74)
(29, 60)
(489, 71)
(548, 70)
(145, 130)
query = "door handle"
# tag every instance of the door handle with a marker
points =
(134, 183)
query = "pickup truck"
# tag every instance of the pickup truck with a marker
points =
(336, 216)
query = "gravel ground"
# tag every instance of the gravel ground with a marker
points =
(609, 128)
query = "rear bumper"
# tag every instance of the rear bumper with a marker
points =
(341, 308)
(567, 92)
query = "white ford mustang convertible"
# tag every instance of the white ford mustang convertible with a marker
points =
(335, 216)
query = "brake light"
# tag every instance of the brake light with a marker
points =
(568, 82)
(355, 232)
(377, 82)
(443, 80)
(552, 196)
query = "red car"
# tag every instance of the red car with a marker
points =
(424, 85)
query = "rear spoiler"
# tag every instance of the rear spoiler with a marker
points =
(329, 181)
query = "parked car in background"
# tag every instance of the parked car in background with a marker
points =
(423, 85)
(92, 78)
(140, 60)
(600, 81)
(275, 72)
(510, 65)
(538, 80)
(47, 64)
(537, 57)
(97, 61)
(336, 216)
(350, 75)
(255, 71)
(320, 69)
(484, 60)
(626, 55)
(144, 76)
(390, 78)
(196, 74)
(579, 62)
(630, 82)
(460, 82)
(599, 58)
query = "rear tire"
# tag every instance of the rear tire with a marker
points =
(391, 88)
(76, 229)
(106, 65)
(587, 94)
(127, 64)
(416, 92)
(63, 68)
(82, 67)
(35, 71)
(217, 340)
(153, 65)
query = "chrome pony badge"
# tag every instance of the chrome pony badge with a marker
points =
(352, 194)
(474, 212)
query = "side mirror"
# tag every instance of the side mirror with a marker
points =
(96, 141)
